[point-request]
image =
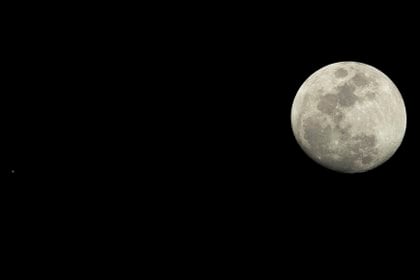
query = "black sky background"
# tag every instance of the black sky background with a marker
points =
(209, 144)
(233, 75)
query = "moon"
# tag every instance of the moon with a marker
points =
(349, 117)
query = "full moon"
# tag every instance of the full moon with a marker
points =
(349, 117)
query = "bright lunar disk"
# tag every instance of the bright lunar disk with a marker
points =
(349, 117)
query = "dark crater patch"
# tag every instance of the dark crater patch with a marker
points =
(367, 159)
(317, 136)
(343, 132)
(360, 80)
(365, 141)
(328, 103)
(370, 95)
(338, 117)
(346, 97)
(341, 73)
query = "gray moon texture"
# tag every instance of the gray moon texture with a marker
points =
(349, 117)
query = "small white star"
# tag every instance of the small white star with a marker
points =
(13, 171)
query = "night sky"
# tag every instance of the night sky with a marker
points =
(174, 123)
(245, 70)
(59, 109)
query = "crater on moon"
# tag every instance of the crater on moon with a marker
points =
(346, 97)
(328, 103)
(338, 116)
(341, 73)
(360, 80)
(370, 95)
(316, 135)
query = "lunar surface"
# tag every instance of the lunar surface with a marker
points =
(349, 117)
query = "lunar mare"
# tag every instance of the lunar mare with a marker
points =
(349, 117)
